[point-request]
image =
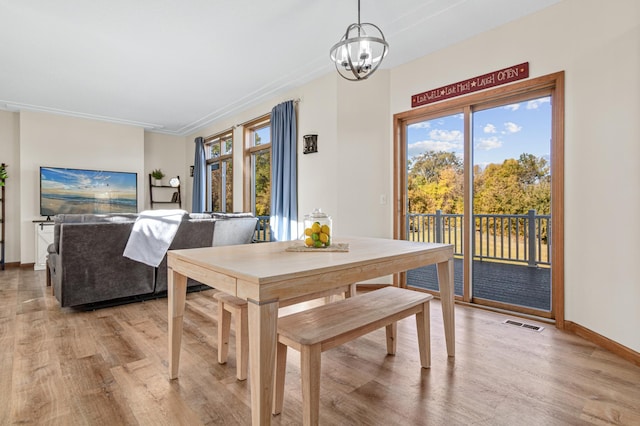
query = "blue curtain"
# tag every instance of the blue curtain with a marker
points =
(199, 178)
(284, 173)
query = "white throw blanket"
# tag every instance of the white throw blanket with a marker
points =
(152, 235)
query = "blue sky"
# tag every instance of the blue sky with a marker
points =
(265, 134)
(87, 180)
(499, 133)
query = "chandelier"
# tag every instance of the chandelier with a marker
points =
(359, 52)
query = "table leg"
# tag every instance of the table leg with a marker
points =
(352, 290)
(263, 333)
(445, 282)
(177, 295)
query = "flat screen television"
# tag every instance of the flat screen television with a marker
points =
(67, 191)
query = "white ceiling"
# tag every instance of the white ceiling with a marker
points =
(176, 66)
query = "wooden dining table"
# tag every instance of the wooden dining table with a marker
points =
(266, 273)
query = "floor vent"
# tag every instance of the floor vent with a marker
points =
(523, 325)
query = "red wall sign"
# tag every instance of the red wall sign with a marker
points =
(495, 78)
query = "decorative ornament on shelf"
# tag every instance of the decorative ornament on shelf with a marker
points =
(360, 51)
(157, 176)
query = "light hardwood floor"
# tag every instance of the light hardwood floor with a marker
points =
(109, 367)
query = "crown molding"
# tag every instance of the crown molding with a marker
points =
(18, 107)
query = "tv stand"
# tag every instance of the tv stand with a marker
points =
(44, 237)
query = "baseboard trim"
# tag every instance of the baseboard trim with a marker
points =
(12, 264)
(604, 342)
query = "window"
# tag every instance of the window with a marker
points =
(258, 163)
(219, 155)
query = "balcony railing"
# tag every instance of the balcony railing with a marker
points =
(263, 230)
(508, 238)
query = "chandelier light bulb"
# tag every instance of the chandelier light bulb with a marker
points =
(360, 51)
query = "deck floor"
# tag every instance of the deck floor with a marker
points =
(514, 284)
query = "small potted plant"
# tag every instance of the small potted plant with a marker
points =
(157, 176)
(3, 173)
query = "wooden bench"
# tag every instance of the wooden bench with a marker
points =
(229, 305)
(319, 329)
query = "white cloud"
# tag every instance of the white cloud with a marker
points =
(431, 145)
(487, 144)
(420, 125)
(489, 128)
(439, 140)
(535, 104)
(445, 135)
(512, 107)
(510, 127)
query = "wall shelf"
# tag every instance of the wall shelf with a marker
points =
(166, 196)
(2, 221)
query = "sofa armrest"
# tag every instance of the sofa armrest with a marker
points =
(51, 248)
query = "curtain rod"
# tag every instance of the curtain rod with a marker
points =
(218, 134)
(295, 101)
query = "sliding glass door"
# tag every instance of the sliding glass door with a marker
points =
(435, 190)
(480, 175)
(511, 146)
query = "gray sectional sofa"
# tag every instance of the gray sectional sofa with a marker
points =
(86, 266)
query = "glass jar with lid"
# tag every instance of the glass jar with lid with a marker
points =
(317, 229)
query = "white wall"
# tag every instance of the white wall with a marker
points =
(61, 141)
(167, 153)
(10, 155)
(365, 157)
(318, 173)
(597, 44)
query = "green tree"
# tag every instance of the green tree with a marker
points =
(513, 187)
(229, 185)
(263, 183)
(435, 182)
(431, 164)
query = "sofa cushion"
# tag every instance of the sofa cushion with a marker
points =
(200, 216)
(96, 218)
(224, 215)
(228, 232)
(87, 218)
